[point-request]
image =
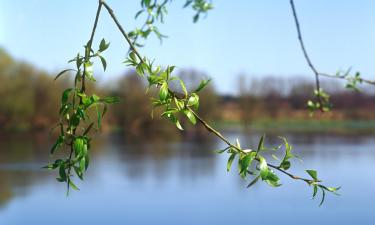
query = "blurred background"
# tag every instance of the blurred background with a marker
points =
(146, 171)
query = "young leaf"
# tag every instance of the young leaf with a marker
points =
(62, 172)
(202, 85)
(71, 184)
(193, 101)
(261, 143)
(62, 72)
(65, 95)
(89, 70)
(78, 146)
(230, 161)
(253, 181)
(323, 197)
(315, 191)
(245, 162)
(313, 174)
(183, 87)
(163, 93)
(98, 115)
(103, 45)
(82, 164)
(104, 63)
(263, 168)
(190, 116)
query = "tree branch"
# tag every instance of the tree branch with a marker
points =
(200, 119)
(309, 62)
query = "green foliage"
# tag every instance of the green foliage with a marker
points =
(352, 80)
(321, 102)
(253, 163)
(75, 123)
(155, 12)
(76, 103)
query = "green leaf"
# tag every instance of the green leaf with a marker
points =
(178, 125)
(263, 168)
(72, 185)
(103, 45)
(98, 115)
(261, 143)
(87, 161)
(104, 63)
(190, 116)
(110, 100)
(272, 179)
(62, 172)
(315, 191)
(58, 144)
(246, 162)
(78, 144)
(62, 72)
(163, 93)
(65, 96)
(94, 98)
(285, 165)
(221, 151)
(193, 101)
(230, 161)
(173, 119)
(202, 85)
(323, 197)
(89, 71)
(78, 172)
(133, 56)
(253, 181)
(82, 164)
(183, 87)
(140, 69)
(313, 174)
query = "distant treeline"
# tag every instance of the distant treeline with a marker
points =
(29, 100)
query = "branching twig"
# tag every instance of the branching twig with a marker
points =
(311, 65)
(305, 54)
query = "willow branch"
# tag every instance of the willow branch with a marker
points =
(371, 82)
(89, 43)
(200, 119)
(305, 54)
(112, 14)
(219, 135)
(309, 62)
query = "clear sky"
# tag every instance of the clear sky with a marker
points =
(252, 37)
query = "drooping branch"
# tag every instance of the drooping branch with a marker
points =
(183, 103)
(199, 118)
(305, 54)
(320, 95)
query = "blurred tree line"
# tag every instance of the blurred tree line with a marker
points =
(29, 100)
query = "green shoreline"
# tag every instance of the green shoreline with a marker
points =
(269, 125)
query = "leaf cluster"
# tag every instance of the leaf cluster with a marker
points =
(75, 123)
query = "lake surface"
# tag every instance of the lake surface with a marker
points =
(184, 182)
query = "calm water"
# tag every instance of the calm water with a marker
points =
(185, 183)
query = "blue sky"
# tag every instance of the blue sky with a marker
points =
(251, 37)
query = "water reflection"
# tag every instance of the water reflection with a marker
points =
(170, 180)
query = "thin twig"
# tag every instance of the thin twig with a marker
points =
(89, 44)
(309, 62)
(83, 87)
(112, 14)
(371, 82)
(305, 54)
